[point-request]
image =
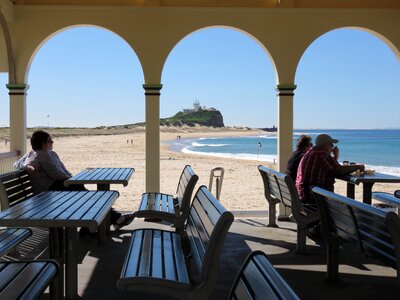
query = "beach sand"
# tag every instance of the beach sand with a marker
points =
(242, 186)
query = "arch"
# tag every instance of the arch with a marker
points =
(12, 76)
(44, 41)
(221, 58)
(230, 28)
(380, 36)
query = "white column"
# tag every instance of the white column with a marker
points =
(17, 92)
(285, 95)
(152, 92)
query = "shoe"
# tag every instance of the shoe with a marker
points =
(124, 220)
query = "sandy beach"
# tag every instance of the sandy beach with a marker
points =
(242, 187)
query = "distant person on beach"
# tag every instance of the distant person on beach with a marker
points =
(304, 143)
(48, 173)
(319, 167)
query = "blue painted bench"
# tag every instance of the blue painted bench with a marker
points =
(158, 263)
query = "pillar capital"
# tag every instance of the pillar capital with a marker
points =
(285, 89)
(17, 88)
(152, 89)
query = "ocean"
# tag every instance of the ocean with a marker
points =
(378, 149)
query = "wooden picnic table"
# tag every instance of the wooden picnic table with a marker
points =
(103, 177)
(62, 212)
(367, 180)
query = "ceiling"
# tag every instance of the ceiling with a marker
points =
(369, 4)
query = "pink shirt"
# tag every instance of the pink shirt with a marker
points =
(317, 168)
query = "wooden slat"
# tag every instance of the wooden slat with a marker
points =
(258, 279)
(157, 264)
(146, 253)
(131, 264)
(25, 280)
(179, 259)
(11, 237)
(169, 265)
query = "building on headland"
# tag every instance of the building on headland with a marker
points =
(197, 107)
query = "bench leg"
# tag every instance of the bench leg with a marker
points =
(301, 240)
(272, 216)
(333, 261)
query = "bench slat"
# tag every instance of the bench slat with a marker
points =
(131, 264)
(258, 279)
(157, 268)
(145, 255)
(11, 237)
(25, 280)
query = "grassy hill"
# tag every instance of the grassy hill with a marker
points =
(212, 118)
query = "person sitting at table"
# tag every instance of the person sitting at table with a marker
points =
(48, 173)
(304, 143)
(319, 167)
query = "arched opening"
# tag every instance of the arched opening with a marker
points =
(225, 69)
(87, 81)
(346, 87)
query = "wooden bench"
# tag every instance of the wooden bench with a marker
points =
(280, 188)
(158, 263)
(164, 207)
(14, 188)
(389, 199)
(11, 237)
(26, 279)
(344, 220)
(258, 279)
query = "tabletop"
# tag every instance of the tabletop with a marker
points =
(102, 176)
(61, 209)
(371, 178)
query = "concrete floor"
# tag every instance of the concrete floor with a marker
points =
(361, 277)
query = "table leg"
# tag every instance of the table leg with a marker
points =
(71, 264)
(350, 190)
(104, 228)
(56, 238)
(103, 187)
(367, 192)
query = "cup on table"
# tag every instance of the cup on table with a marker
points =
(346, 163)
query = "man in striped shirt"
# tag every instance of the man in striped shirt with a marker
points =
(319, 167)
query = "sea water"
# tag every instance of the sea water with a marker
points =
(378, 149)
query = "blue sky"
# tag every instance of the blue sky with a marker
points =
(90, 77)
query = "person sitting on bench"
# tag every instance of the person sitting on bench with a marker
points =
(48, 173)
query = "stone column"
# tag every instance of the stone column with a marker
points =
(17, 92)
(152, 92)
(285, 93)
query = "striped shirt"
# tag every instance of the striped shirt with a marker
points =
(317, 168)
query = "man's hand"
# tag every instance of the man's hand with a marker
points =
(335, 152)
(31, 170)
